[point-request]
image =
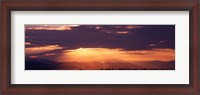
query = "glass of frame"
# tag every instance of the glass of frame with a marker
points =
(99, 47)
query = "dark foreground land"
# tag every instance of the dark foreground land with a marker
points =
(43, 64)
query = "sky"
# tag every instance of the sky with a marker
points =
(94, 47)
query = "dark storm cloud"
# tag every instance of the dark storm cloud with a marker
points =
(129, 37)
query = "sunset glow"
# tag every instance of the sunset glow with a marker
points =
(41, 49)
(116, 55)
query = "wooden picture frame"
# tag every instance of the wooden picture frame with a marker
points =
(99, 5)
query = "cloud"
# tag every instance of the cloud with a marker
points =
(162, 41)
(49, 27)
(107, 36)
(98, 27)
(133, 27)
(152, 45)
(122, 32)
(33, 56)
(41, 49)
(27, 43)
(127, 26)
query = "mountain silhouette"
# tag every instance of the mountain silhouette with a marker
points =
(40, 64)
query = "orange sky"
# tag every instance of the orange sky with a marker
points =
(116, 55)
(105, 54)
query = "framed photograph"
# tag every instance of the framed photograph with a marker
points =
(69, 47)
